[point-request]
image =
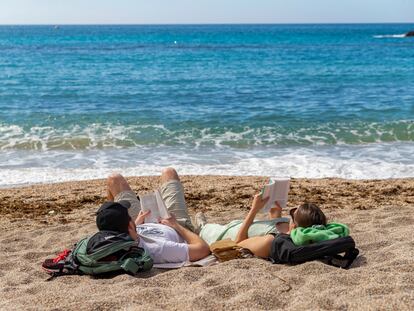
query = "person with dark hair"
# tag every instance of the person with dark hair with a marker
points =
(307, 215)
(308, 224)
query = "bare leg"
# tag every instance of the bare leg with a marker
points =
(276, 212)
(168, 174)
(109, 196)
(116, 184)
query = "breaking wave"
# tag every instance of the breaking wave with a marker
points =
(104, 136)
(373, 161)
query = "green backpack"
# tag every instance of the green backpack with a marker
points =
(120, 254)
(135, 259)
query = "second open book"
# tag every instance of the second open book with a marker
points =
(153, 202)
(277, 191)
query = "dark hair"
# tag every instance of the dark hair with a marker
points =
(309, 214)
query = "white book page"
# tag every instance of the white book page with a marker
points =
(149, 203)
(154, 203)
(161, 206)
(277, 191)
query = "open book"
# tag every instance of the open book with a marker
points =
(277, 190)
(153, 202)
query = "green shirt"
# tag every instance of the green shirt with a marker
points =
(215, 232)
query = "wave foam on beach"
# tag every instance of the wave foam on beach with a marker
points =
(372, 161)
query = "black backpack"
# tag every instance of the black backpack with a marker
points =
(284, 251)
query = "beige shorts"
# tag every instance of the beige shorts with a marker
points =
(172, 192)
(131, 197)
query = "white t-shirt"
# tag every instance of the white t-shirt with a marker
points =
(163, 243)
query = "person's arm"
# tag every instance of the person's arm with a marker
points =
(257, 205)
(197, 247)
(141, 217)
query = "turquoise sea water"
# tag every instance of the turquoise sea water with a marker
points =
(301, 100)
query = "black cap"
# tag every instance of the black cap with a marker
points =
(113, 216)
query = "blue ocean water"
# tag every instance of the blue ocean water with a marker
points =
(302, 100)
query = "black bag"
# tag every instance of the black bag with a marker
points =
(284, 251)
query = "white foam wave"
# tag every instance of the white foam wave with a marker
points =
(374, 161)
(390, 36)
(101, 136)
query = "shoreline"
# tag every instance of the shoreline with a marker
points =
(205, 192)
(356, 162)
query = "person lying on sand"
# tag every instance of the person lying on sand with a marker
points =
(215, 232)
(171, 240)
(308, 224)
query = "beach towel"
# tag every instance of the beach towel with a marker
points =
(204, 262)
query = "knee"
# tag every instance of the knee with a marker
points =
(114, 179)
(169, 173)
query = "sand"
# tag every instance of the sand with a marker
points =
(39, 221)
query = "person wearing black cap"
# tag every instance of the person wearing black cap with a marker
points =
(114, 224)
(170, 241)
(113, 216)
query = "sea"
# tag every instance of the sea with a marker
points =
(307, 101)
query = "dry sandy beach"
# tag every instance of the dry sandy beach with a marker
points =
(39, 221)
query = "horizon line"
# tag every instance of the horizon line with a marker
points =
(202, 24)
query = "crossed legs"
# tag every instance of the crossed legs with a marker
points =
(116, 183)
(171, 191)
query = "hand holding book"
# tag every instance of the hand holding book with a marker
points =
(258, 202)
(154, 203)
(141, 217)
(170, 222)
(277, 192)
